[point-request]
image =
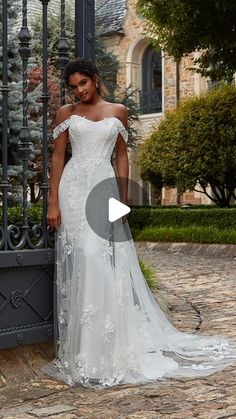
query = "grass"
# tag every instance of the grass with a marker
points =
(148, 273)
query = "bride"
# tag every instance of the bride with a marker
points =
(111, 329)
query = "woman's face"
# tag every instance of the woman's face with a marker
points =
(82, 86)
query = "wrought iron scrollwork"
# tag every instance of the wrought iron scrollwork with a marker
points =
(17, 241)
(16, 298)
(20, 339)
(4, 185)
(2, 238)
(63, 49)
(17, 238)
(14, 237)
(24, 137)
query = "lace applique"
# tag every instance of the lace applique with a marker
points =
(121, 248)
(71, 200)
(110, 372)
(68, 242)
(61, 127)
(87, 318)
(83, 369)
(122, 293)
(127, 361)
(72, 170)
(198, 366)
(59, 269)
(63, 288)
(222, 347)
(62, 317)
(122, 130)
(109, 329)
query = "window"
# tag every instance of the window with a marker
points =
(151, 94)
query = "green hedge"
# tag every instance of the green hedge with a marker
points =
(141, 217)
(187, 234)
(220, 219)
(15, 215)
(183, 206)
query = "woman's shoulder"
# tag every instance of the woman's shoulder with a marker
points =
(63, 113)
(120, 107)
(121, 112)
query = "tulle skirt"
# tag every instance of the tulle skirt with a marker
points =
(111, 330)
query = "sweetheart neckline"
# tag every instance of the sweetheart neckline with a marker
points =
(65, 124)
(90, 120)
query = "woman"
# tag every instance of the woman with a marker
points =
(111, 328)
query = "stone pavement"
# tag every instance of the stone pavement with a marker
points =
(197, 285)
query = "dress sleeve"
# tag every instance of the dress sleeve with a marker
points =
(61, 127)
(122, 130)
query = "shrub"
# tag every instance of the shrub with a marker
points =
(187, 234)
(196, 145)
(183, 217)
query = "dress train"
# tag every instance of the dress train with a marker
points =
(111, 329)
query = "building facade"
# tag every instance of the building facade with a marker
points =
(154, 75)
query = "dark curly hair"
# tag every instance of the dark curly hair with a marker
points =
(85, 67)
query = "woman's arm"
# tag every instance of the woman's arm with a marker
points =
(57, 165)
(122, 162)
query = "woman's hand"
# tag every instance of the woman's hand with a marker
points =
(53, 216)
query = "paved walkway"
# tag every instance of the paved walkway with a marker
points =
(199, 293)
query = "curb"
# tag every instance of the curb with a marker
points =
(209, 250)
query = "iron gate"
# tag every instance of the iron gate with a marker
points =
(27, 283)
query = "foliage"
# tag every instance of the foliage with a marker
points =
(192, 234)
(195, 145)
(148, 273)
(220, 218)
(152, 224)
(15, 215)
(182, 206)
(107, 63)
(183, 26)
(141, 217)
(35, 85)
(14, 62)
(15, 110)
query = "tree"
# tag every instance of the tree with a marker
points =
(15, 106)
(107, 63)
(183, 26)
(14, 62)
(195, 145)
(35, 85)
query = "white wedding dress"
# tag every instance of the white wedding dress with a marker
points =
(111, 329)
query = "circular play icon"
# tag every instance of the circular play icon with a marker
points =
(105, 210)
(116, 209)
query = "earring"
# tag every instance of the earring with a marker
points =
(96, 85)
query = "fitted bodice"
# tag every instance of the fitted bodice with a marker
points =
(91, 140)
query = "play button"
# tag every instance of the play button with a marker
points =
(104, 209)
(116, 209)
